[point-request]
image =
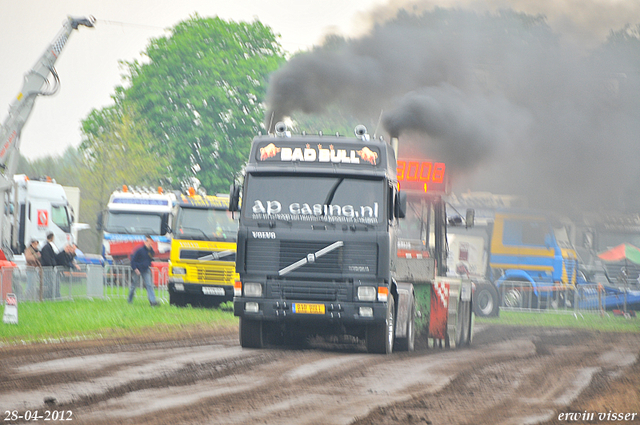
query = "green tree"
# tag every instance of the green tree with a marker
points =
(117, 149)
(201, 92)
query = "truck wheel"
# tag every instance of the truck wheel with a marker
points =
(380, 336)
(466, 323)
(559, 300)
(408, 343)
(486, 301)
(519, 295)
(251, 333)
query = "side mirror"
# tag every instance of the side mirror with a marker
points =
(234, 197)
(401, 205)
(99, 222)
(470, 218)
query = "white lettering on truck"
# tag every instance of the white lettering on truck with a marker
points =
(264, 235)
(305, 211)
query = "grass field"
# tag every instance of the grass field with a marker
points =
(98, 318)
(606, 323)
(89, 319)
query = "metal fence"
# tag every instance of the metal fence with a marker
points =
(521, 296)
(119, 278)
(90, 281)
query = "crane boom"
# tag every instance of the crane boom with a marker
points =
(36, 82)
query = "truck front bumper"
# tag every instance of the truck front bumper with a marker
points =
(347, 313)
(200, 290)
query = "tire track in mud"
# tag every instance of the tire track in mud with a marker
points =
(307, 386)
(524, 391)
(124, 377)
(509, 375)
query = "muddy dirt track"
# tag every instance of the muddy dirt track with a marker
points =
(508, 376)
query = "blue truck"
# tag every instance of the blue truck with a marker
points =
(518, 258)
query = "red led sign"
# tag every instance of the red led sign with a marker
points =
(423, 176)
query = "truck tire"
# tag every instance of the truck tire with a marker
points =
(486, 302)
(251, 333)
(380, 337)
(465, 338)
(409, 342)
(519, 294)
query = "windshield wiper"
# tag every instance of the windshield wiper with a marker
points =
(332, 192)
(367, 226)
(112, 229)
(272, 222)
(145, 230)
(204, 235)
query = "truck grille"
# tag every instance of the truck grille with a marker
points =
(571, 268)
(209, 255)
(270, 256)
(222, 277)
(309, 291)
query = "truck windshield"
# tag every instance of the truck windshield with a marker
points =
(307, 198)
(60, 217)
(205, 224)
(133, 223)
(562, 237)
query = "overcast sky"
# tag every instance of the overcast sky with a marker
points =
(89, 70)
(88, 66)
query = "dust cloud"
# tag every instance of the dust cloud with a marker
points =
(529, 98)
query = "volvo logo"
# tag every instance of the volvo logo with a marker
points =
(264, 235)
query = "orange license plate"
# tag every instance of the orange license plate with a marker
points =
(307, 308)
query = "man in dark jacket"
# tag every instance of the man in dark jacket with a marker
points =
(48, 262)
(140, 264)
(47, 253)
(66, 257)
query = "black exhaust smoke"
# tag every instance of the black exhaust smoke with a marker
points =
(502, 98)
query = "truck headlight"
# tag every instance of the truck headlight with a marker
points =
(178, 270)
(366, 311)
(251, 307)
(252, 289)
(366, 293)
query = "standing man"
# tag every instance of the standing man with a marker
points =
(48, 253)
(140, 264)
(34, 270)
(48, 262)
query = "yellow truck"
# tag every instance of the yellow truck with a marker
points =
(202, 264)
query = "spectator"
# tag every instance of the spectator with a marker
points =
(34, 270)
(48, 262)
(32, 254)
(48, 252)
(66, 257)
(140, 264)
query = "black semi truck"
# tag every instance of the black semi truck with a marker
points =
(317, 249)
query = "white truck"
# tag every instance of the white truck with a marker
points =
(131, 214)
(37, 208)
(29, 208)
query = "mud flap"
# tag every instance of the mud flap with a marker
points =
(403, 309)
(451, 317)
(439, 310)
